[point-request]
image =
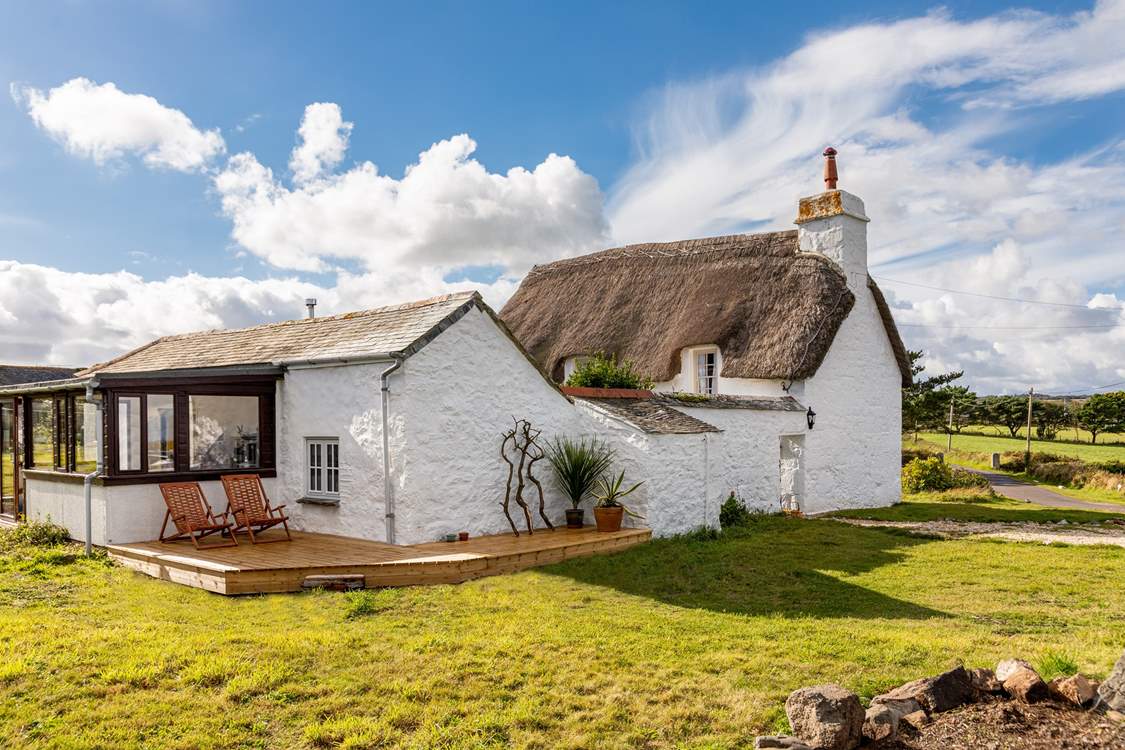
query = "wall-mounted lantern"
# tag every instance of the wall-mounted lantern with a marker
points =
(810, 415)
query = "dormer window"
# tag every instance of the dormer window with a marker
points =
(706, 370)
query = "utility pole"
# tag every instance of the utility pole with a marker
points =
(949, 441)
(1027, 452)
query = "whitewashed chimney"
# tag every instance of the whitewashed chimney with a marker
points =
(834, 224)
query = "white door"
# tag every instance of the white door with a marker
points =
(792, 472)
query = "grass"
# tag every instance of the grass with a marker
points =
(1001, 444)
(1068, 435)
(974, 506)
(682, 643)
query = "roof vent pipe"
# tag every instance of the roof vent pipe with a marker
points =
(830, 175)
(311, 304)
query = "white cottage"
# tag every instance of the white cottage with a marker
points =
(386, 424)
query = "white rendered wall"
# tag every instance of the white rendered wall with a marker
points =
(678, 494)
(684, 380)
(853, 454)
(456, 397)
(746, 460)
(344, 403)
(121, 513)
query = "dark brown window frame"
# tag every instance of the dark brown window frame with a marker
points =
(180, 389)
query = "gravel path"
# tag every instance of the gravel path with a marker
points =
(1045, 533)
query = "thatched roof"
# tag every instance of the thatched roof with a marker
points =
(772, 311)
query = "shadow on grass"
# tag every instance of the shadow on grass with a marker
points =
(772, 566)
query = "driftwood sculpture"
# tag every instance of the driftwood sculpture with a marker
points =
(521, 441)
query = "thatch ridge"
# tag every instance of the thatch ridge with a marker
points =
(772, 311)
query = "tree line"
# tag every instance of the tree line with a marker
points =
(926, 407)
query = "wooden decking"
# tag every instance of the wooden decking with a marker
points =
(269, 568)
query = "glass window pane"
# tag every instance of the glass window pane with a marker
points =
(224, 432)
(161, 432)
(7, 454)
(129, 433)
(42, 441)
(85, 437)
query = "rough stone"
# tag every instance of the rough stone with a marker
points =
(1009, 667)
(880, 723)
(784, 742)
(1075, 689)
(934, 694)
(1112, 690)
(827, 717)
(1026, 685)
(984, 682)
(918, 719)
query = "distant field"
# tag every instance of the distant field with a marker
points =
(1069, 434)
(999, 444)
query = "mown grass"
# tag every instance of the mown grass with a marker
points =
(1067, 435)
(682, 643)
(1001, 444)
(970, 505)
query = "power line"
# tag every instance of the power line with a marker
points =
(994, 296)
(1009, 328)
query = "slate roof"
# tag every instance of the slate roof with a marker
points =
(23, 374)
(726, 401)
(652, 415)
(399, 328)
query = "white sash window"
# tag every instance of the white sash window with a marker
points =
(323, 467)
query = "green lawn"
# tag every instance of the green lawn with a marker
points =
(1000, 444)
(1070, 433)
(964, 506)
(681, 643)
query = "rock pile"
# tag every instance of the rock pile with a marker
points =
(828, 717)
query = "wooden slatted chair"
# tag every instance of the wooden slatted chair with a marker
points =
(251, 509)
(192, 516)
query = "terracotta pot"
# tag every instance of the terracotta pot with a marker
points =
(575, 518)
(609, 519)
(463, 536)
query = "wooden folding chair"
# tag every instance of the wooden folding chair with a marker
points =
(192, 516)
(248, 505)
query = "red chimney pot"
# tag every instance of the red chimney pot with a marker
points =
(830, 175)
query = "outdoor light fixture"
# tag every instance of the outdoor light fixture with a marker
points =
(811, 416)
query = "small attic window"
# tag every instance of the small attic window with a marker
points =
(705, 369)
(570, 364)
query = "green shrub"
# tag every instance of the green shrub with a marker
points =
(34, 534)
(968, 480)
(1057, 664)
(733, 512)
(926, 475)
(604, 371)
(919, 451)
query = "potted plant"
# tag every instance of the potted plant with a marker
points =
(577, 464)
(608, 510)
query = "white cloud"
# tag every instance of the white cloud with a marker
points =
(324, 141)
(103, 123)
(733, 152)
(446, 211)
(722, 154)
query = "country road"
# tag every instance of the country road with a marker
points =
(1016, 489)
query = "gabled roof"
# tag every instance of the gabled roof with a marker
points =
(22, 374)
(398, 329)
(772, 310)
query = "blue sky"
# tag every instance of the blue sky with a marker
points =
(677, 120)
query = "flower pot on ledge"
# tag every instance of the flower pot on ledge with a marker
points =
(575, 518)
(609, 519)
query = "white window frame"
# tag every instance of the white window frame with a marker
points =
(322, 468)
(698, 384)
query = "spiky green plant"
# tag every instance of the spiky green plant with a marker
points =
(609, 493)
(577, 464)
